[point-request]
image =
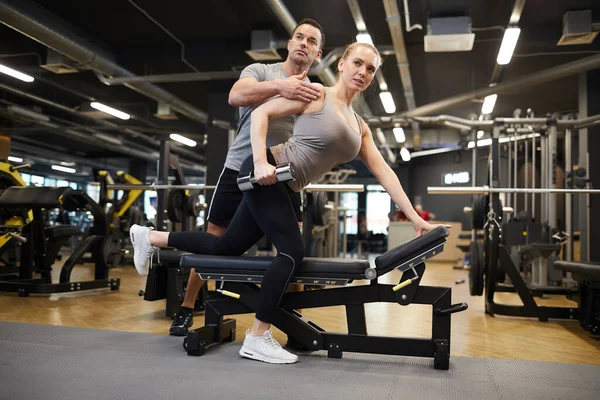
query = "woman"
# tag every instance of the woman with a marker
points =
(327, 132)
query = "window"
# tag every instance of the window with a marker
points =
(26, 178)
(94, 192)
(350, 201)
(378, 208)
(150, 203)
(37, 180)
(50, 182)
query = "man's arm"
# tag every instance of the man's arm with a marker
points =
(248, 91)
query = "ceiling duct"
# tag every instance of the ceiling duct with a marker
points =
(577, 28)
(449, 34)
(33, 21)
(165, 112)
(264, 46)
(58, 63)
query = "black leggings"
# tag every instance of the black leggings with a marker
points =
(264, 210)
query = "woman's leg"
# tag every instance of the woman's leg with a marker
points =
(242, 233)
(272, 208)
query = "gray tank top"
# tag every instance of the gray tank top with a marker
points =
(320, 141)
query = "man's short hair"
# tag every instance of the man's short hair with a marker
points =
(310, 21)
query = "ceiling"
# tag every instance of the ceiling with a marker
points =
(148, 37)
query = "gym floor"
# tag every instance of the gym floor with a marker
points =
(474, 334)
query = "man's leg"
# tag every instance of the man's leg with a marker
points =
(195, 283)
(223, 206)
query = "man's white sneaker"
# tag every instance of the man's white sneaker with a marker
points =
(265, 348)
(142, 249)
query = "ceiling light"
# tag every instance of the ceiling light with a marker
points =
(399, 134)
(405, 154)
(64, 169)
(430, 152)
(15, 159)
(109, 110)
(509, 41)
(15, 74)
(380, 136)
(488, 104)
(388, 102)
(183, 139)
(480, 134)
(364, 37)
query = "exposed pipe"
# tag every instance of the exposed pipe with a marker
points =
(537, 78)
(29, 151)
(393, 19)
(409, 27)
(20, 16)
(71, 111)
(182, 77)
(326, 62)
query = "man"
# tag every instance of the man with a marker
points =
(426, 215)
(257, 84)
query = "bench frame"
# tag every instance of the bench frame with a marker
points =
(304, 334)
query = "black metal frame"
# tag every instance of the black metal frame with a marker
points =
(35, 251)
(168, 161)
(310, 336)
(497, 259)
(168, 281)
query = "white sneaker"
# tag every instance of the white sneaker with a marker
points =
(142, 249)
(265, 348)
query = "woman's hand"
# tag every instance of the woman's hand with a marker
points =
(264, 173)
(421, 226)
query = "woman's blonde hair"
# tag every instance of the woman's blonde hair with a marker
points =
(354, 45)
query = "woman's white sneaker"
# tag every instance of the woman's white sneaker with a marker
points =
(142, 249)
(265, 348)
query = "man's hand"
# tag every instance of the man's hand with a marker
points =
(295, 88)
(264, 173)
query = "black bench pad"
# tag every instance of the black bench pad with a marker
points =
(540, 249)
(409, 250)
(57, 231)
(31, 196)
(171, 256)
(586, 270)
(310, 267)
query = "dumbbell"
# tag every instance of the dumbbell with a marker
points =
(283, 173)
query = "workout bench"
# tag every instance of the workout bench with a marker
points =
(238, 293)
(588, 277)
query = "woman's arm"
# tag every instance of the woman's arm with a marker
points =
(260, 117)
(373, 159)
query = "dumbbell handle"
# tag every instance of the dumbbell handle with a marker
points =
(283, 173)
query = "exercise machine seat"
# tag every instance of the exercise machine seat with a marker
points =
(58, 231)
(535, 250)
(586, 270)
(27, 197)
